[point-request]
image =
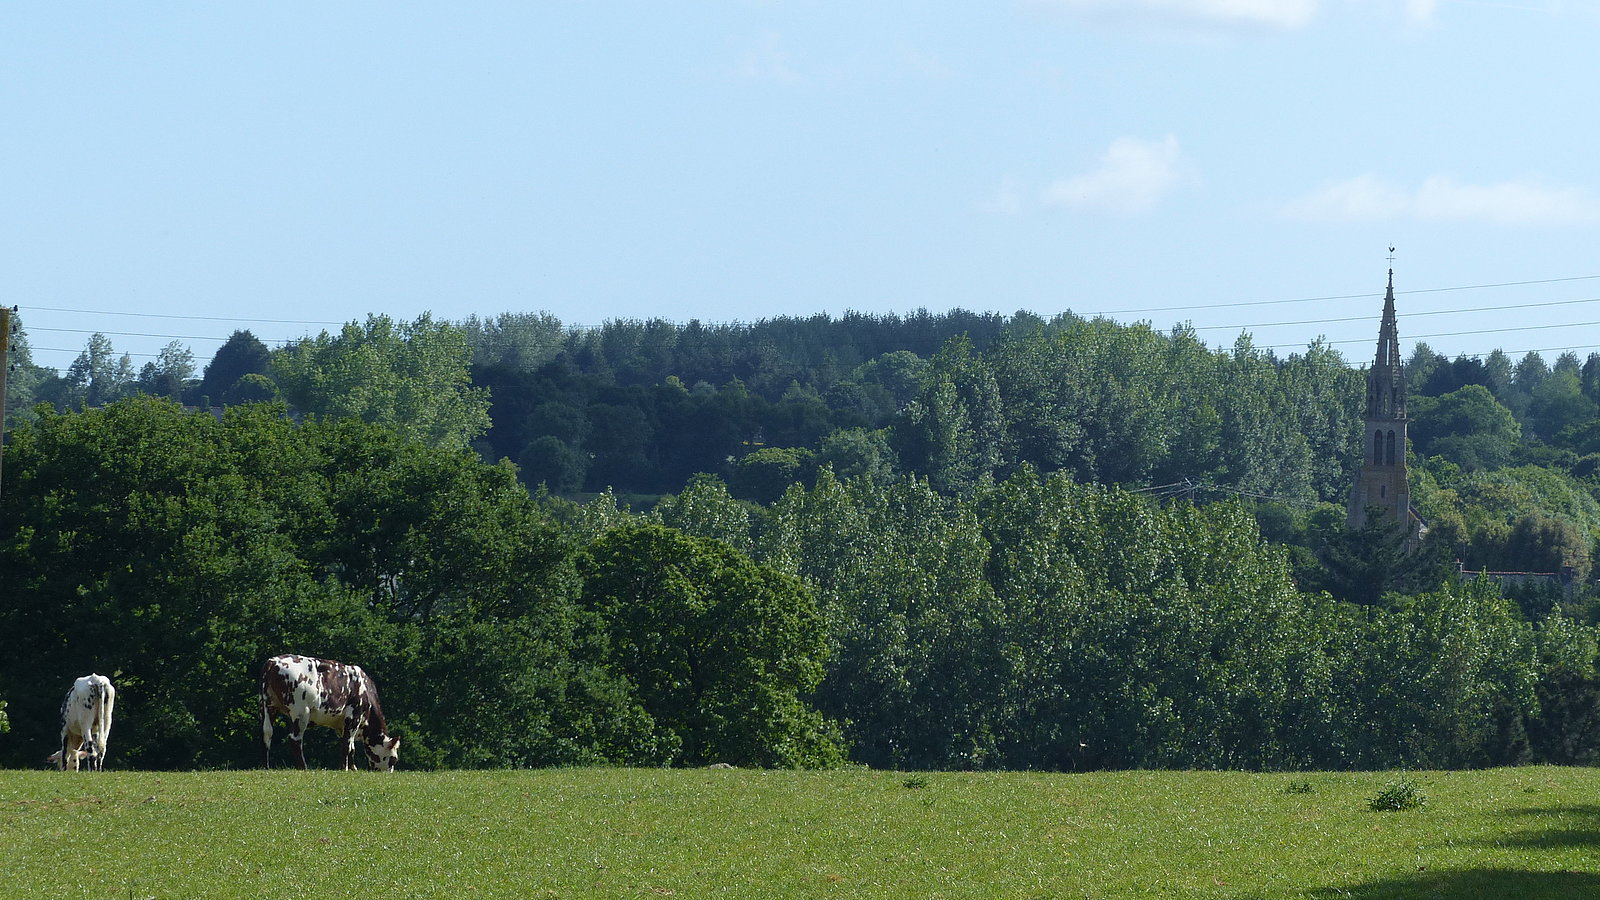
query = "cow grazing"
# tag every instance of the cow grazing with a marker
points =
(309, 691)
(86, 724)
(54, 759)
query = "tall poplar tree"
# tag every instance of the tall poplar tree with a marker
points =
(413, 377)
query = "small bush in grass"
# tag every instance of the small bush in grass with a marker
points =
(1297, 787)
(1398, 795)
(916, 782)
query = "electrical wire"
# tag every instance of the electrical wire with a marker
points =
(1465, 287)
(1241, 327)
(107, 312)
(1245, 327)
(1409, 315)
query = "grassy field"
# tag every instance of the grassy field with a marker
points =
(1523, 833)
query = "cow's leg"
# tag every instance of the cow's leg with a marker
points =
(71, 744)
(96, 745)
(351, 729)
(297, 734)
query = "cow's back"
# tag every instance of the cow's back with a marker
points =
(88, 703)
(309, 689)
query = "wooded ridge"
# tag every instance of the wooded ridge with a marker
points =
(934, 541)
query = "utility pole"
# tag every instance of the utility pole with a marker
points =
(5, 366)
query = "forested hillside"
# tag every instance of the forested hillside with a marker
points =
(1505, 454)
(928, 542)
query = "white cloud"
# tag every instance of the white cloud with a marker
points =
(1133, 176)
(1362, 198)
(1421, 10)
(1511, 202)
(1283, 14)
(1443, 199)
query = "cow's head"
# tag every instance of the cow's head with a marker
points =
(383, 755)
(54, 759)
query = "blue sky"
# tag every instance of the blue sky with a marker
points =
(1235, 164)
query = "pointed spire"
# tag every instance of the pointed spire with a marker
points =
(1386, 380)
(1389, 330)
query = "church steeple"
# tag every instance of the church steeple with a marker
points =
(1386, 380)
(1382, 480)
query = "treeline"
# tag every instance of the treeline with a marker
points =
(1030, 622)
(641, 407)
(935, 632)
(1506, 454)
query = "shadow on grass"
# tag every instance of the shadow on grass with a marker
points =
(1476, 884)
(1570, 827)
(1531, 828)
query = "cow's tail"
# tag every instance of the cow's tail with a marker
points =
(266, 723)
(104, 698)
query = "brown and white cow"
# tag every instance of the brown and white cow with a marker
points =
(86, 724)
(310, 691)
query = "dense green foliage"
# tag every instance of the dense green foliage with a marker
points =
(1033, 622)
(717, 649)
(643, 407)
(174, 552)
(929, 542)
(411, 377)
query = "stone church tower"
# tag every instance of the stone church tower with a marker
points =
(1381, 482)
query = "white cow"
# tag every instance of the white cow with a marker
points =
(86, 723)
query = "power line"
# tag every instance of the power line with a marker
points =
(1592, 348)
(1408, 315)
(109, 312)
(1244, 326)
(1465, 287)
(80, 350)
(183, 337)
(1444, 334)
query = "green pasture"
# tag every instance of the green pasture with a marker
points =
(1525, 833)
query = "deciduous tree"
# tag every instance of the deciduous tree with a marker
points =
(719, 651)
(411, 377)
